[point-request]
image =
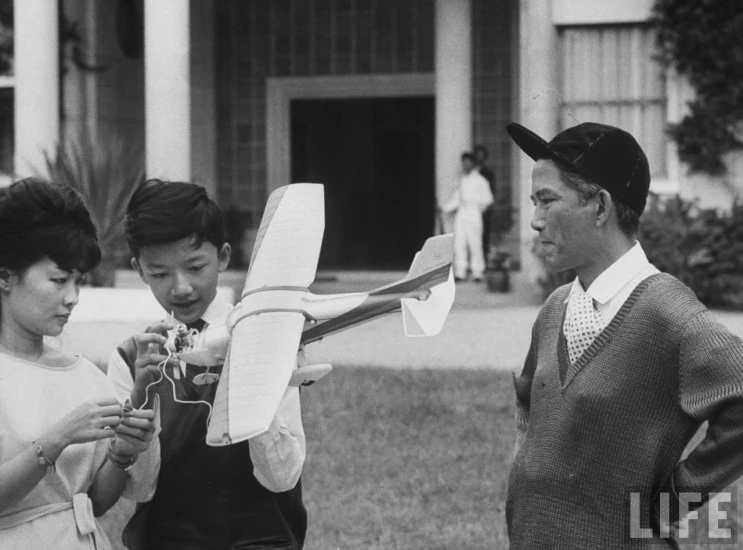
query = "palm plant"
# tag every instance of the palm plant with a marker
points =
(106, 175)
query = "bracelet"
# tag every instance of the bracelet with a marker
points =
(126, 463)
(44, 460)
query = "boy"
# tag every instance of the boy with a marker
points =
(246, 495)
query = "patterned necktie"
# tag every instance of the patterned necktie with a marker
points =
(582, 324)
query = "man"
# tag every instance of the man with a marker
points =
(481, 158)
(624, 365)
(471, 198)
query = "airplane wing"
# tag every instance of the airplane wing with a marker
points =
(265, 340)
(261, 360)
(287, 246)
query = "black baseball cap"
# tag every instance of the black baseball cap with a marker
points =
(607, 155)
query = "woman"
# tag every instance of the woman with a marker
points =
(66, 444)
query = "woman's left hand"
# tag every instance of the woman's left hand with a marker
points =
(135, 432)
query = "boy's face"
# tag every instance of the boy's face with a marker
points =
(183, 277)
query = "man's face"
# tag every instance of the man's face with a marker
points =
(467, 165)
(565, 222)
(183, 276)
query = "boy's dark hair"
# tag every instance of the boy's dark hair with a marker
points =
(468, 156)
(39, 219)
(162, 212)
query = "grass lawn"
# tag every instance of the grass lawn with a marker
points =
(402, 459)
(407, 459)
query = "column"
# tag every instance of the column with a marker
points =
(167, 90)
(538, 109)
(453, 67)
(36, 111)
(80, 87)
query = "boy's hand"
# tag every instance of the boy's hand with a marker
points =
(135, 432)
(149, 357)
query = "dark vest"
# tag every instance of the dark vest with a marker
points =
(208, 494)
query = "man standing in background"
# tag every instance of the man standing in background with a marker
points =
(481, 158)
(470, 200)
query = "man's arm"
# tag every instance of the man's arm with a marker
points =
(278, 455)
(120, 376)
(711, 389)
(485, 196)
(522, 385)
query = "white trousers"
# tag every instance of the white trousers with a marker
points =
(468, 243)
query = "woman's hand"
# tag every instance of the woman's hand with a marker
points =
(135, 432)
(87, 422)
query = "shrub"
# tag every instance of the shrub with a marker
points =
(701, 40)
(106, 174)
(701, 248)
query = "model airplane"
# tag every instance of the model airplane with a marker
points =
(277, 314)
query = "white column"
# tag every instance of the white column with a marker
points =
(36, 46)
(538, 108)
(79, 96)
(453, 67)
(167, 89)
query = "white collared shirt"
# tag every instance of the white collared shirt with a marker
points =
(472, 193)
(278, 455)
(614, 285)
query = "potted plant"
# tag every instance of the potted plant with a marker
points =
(106, 176)
(498, 261)
(498, 269)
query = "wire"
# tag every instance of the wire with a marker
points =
(162, 367)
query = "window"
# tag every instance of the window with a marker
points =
(609, 76)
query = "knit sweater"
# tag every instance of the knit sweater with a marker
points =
(618, 420)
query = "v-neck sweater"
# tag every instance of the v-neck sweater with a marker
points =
(618, 419)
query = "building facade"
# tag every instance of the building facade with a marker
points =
(376, 99)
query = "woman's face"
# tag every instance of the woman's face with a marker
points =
(38, 301)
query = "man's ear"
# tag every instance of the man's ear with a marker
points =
(224, 256)
(7, 278)
(604, 205)
(138, 269)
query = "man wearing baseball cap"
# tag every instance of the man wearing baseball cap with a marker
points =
(624, 366)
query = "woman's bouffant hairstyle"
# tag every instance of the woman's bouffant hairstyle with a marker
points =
(39, 219)
(163, 212)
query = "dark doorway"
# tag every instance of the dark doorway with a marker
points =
(376, 160)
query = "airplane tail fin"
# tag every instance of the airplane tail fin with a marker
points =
(424, 315)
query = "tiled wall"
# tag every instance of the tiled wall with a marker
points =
(494, 35)
(257, 39)
(493, 81)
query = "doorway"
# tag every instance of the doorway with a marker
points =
(375, 157)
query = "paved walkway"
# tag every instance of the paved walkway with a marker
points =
(483, 330)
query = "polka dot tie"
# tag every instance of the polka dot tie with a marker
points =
(582, 324)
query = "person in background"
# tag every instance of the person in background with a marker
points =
(625, 364)
(481, 158)
(471, 198)
(245, 495)
(68, 448)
